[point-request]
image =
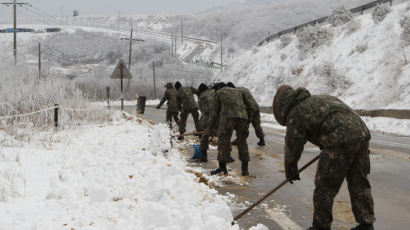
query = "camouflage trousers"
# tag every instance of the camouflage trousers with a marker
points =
(205, 126)
(169, 116)
(184, 118)
(203, 123)
(256, 123)
(335, 164)
(225, 131)
(204, 143)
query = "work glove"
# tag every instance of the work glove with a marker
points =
(291, 172)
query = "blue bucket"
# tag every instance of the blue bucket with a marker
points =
(197, 153)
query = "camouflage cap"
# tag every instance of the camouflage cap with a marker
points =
(277, 104)
(169, 85)
(285, 99)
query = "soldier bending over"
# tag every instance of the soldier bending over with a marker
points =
(344, 142)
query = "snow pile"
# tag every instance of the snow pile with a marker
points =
(364, 63)
(388, 125)
(118, 176)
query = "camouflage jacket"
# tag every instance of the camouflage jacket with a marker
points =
(323, 120)
(185, 99)
(206, 103)
(250, 102)
(229, 104)
(170, 96)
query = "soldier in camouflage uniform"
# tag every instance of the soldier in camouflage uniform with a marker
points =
(172, 107)
(344, 142)
(254, 113)
(187, 105)
(232, 111)
(206, 100)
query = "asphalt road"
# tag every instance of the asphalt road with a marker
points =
(291, 207)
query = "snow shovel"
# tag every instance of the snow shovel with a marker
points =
(273, 191)
(189, 134)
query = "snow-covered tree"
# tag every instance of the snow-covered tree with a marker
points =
(312, 37)
(380, 12)
(405, 33)
(340, 17)
(285, 40)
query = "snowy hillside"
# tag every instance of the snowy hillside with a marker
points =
(361, 61)
(245, 26)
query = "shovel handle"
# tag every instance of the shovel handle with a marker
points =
(273, 191)
(189, 134)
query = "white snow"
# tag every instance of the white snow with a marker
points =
(388, 125)
(378, 76)
(259, 227)
(123, 175)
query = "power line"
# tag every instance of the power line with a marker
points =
(179, 70)
(32, 14)
(42, 15)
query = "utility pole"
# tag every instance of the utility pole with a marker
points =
(153, 72)
(118, 21)
(14, 3)
(62, 15)
(175, 42)
(172, 44)
(182, 32)
(129, 60)
(122, 88)
(221, 54)
(39, 61)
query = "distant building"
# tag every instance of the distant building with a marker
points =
(76, 13)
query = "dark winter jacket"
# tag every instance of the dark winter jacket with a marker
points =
(322, 120)
(170, 95)
(185, 99)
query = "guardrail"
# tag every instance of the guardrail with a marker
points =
(360, 9)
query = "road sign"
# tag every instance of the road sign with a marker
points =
(125, 72)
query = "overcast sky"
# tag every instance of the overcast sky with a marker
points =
(112, 7)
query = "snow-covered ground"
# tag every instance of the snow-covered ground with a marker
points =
(363, 62)
(122, 175)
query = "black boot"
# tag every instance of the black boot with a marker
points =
(363, 227)
(261, 141)
(231, 160)
(316, 228)
(245, 171)
(222, 168)
(204, 157)
(235, 142)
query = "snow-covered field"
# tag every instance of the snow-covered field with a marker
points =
(362, 62)
(123, 175)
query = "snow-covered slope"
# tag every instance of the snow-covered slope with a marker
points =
(363, 62)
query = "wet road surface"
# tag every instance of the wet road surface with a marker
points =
(291, 207)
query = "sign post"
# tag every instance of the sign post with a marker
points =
(121, 72)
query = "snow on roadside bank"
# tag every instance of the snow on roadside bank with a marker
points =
(388, 125)
(375, 124)
(118, 176)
